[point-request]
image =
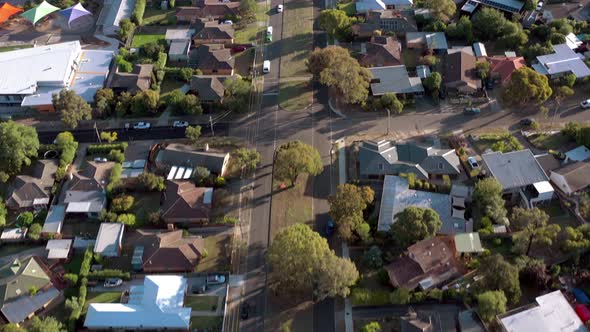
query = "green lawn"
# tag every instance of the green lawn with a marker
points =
(369, 297)
(247, 33)
(15, 47)
(140, 40)
(290, 205)
(106, 297)
(74, 265)
(549, 142)
(207, 323)
(504, 248)
(169, 85)
(11, 249)
(349, 8)
(153, 16)
(295, 95)
(297, 41)
(217, 259)
(145, 203)
(201, 303)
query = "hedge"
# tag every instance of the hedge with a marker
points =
(109, 273)
(161, 62)
(138, 11)
(86, 262)
(75, 314)
(106, 148)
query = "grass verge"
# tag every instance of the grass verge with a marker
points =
(140, 40)
(295, 95)
(297, 39)
(201, 303)
(290, 206)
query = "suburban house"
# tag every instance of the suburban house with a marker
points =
(420, 321)
(551, 312)
(522, 178)
(397, 196)
(167, 252)
(85, 191)
(212, 11)
(112, 13)
(388, 20)
(30, 76)
(158, 304)
(501, 67)
(16, 234)
(427, 264)
(394, 79)
(579, 153)
(459, 73)
(139, 80)
(109, 240)
(469, 321)
(181, 155)
(54, 220)
(214, 34)
(32, 191)
(209, 89)
(572, 178)
(562, 62)
(17, 279)
(436, 41)
(59, 249)
(183, 203)
(509, 6)
(212, 59)
(363, 6)
(379, 158)
(178, 34)
(381, 51)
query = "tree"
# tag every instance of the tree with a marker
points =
(534, 229)
(246, 159)
(3, 213)
(152, 49)
(127, 219)
(490, 304)
(415, 224)
(347, 206)
(441, 10)
(34, 232)
(371, 327)
(247, 8)
(18, 146)
(530, 4)
(126, 28)
(335, 22)
(559, 94)
(294, 158)
(488, 197)
(73, 304)
(527, 86)
(372, 257)
(237, 94)
(122, 203)
(116, 155)
(462, 30)
(389, 101)
(104, 101)
(533, 271)
(575, 238)
(186, 74)
(584, 205)
(301, 262)
(483, 69)
(71, 107)
(433, 82)
(498, 274)
(193, 133)
(489, 23)
(46, 324)
(26, 218)
(401, 296)
(146, 102)
(11, 328)
(151, 181)
(185, 104)
(109, 136)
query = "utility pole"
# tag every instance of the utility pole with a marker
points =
(97, 134)
(211, 122)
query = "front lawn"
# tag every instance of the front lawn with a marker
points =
(295, 96)
(290, 205)
(106, 297)
(139, 40)
(201, 303)
(549, 142)
(218, 251)
(501, 141)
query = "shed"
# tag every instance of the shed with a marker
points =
(58, 249)
(13, 234)
(109, 239)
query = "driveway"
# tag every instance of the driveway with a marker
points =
(123, 288)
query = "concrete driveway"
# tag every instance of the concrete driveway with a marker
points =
(123, 288)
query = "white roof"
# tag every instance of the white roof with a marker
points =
(158, 304)
(54, 220)
(573, 41)
(564, 60)
(179, 34)
(580, 153)
(109, 238)
(58, 249)
(543, 187)
(368, 5)
(13, 234)
(78, 207)
(553, 313)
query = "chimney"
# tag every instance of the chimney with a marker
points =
(206, 147)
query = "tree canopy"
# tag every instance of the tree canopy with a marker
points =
(415, 224)
(71, 107)
(441, 10)
(527, 86)
(193, 133)
(335, 22)
(237, 94)
(347, 206)
(294, 158)
(146, 102)
(301, 262)
(246, 159)
(490, 304)
(18, 147)
(533, 229)
(389, 101)
(488, 197)
(433, 82)
(498, 274)
(46, 324)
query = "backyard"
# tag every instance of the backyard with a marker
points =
(206, 323)
(144, 204)
(141, 39)
(157, 16)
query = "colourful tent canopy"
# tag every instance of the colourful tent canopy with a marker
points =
(7, 10)
(74, 12)
(39, 12)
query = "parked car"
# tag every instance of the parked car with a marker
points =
(199, 289)
(540, 5)
(215, 279)
(279, 8)
(142, 125)
(472, 162)
(180, 124)
(100, 160)
(113, 282)
(237, 49)
(526, 122)
(585, 103)
(330, 227)
(245, 310)
(471, 111)
(266, 66)
(228, 22)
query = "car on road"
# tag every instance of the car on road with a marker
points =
(216, 279)
(245, 310)
(330, 227)
(142, 125)
(268, 34)
(471, 111)
(113, 282)
(279, 8)
(238, 49)
(472, 162)
(585, 103)
(266, 66)
(180, 124)
(526, 122)
(540, 5)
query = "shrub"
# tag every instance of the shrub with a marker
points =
(126, 219)
(372, 257)
(229, 220)
(72, 279)
(109, 273)
(151, 181)
(107, 216)
(25, 218)
(86, 262)
(155, 218)
(138, 11)
(35, 231)
(33, 290)
(115, 178)
(435, 294)
(161, 62)
(126, 28)
(116, 156)
(497, 241)
(122, 203)
(106, 148)
(186, 74)
(219, 182)
(205, 253)
(400, 296)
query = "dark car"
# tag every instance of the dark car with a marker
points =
(330, 228)
(526, 122)
(471, 111)
(237, 49)
(245, 311)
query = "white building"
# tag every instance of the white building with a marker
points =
(109, 240)
(157, 305)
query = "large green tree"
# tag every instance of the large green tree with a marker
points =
(527, 86)
(389, 101)
(498, 274)
(18, 147)
(104, 101)
(441, 10)
(237, 94)
(46, 324)
(462, 30)
(573, 239)
(488, 197)
(347, 206)
(433, 82)
(294, 158)
(146, 102)
(71, 107)
(533, 229)
(193, 133)
(415, 224)
(490, 304)
(335, 22)
(247, 8)
(301, 263)
(246, 159)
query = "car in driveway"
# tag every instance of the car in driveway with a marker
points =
(279, 8)
(180, 124)
(539, 5)
(113, 282)
(472, 162)
(471, 111)
(238, 49)
(215, 279)
(585, 103)
(526, 122)
(142, 125)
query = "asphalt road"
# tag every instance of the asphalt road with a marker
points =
(89, 135)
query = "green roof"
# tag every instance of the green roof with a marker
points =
(468, 242)
(39, 12)
(18, 277)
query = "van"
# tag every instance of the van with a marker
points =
(269, 34)
(266, 66)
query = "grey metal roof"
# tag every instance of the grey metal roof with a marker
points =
(394, 79)
(17, 311)
(54, 220)
(564, 60)
(95, 200)
(514, 169)
(513, 6)
(179, 47)
(109, 238)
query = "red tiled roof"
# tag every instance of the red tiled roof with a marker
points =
(505, 66)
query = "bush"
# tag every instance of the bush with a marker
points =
(35, 231)
(127, 219)
(122, 203)
(229, 220)
(106, 148)
(435, 294)
(155, 218)
(138, 11)
(115, 178)
(126, 28)
(161, 62)
(372, 257)
(151, 181)
(400, 296)
(383, 277)
(116, 156)
(418, 297)
(107, 216)
(86, 262)
(219, 182)
(25, 218)
(109, 273)
(186, 74)
(71, 279)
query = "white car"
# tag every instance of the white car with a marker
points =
(266, 66)
(585, 103)
(279, 8)
(142, 125)
(180, 124)
(228, 22)
(539, 5)
(113, 282)
(472, 162)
